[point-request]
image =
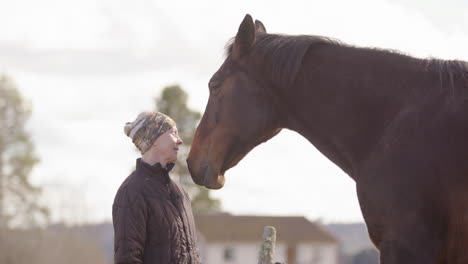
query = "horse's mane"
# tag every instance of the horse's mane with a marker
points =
(448, 71)
(286, 52)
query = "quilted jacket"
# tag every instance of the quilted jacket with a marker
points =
(153, 220)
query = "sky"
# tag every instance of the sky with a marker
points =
(89, 66)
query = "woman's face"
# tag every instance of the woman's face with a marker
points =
(167, 145)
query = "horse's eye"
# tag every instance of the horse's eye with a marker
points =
(214, 85)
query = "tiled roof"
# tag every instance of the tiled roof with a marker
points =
(237, 228)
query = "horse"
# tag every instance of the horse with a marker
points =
(396, 124)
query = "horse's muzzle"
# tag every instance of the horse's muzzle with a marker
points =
(205, 176)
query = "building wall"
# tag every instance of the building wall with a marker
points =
(280, 252)
(313, 253)
(247, 253)
(215, 253)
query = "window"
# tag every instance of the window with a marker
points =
(229, 254)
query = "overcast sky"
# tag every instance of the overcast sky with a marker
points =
(89, 66)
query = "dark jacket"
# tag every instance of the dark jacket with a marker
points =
(153, 220)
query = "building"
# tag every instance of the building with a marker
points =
(234, 239)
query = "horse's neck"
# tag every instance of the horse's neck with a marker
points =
(343, 98)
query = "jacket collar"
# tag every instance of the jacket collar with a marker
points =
(155, 170)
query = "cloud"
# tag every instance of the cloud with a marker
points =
(104, 61)
(131, 38)
(446, 16)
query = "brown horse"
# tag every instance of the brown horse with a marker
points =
(397, 125)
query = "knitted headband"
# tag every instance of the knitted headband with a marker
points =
(146, 128)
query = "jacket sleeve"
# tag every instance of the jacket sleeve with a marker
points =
(129, 214)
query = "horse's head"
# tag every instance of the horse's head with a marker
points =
(238, 115)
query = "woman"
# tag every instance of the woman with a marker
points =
(152, 216)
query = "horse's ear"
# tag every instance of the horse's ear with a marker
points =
(259, 27)
(245, 37)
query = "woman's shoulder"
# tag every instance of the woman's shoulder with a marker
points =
(130, 190)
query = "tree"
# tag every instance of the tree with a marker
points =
(18, 197)
(173, 102)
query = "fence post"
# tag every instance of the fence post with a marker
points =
(267, 250)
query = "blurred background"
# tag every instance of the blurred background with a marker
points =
(73, 72)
